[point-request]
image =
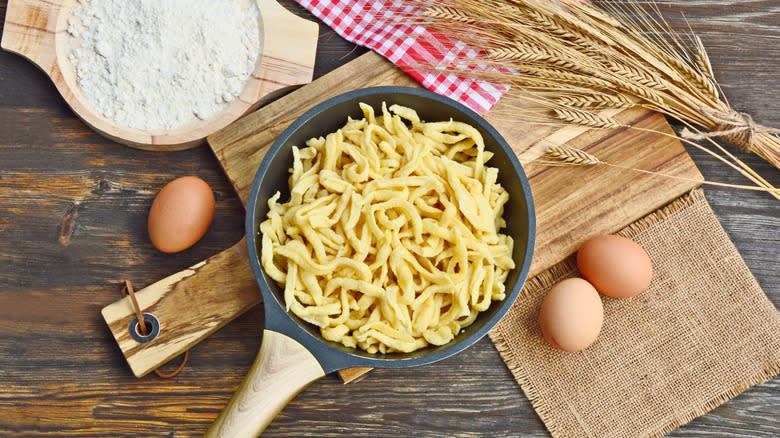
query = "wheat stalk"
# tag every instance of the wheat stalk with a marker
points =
(594, 101)
(589, 56)
(567, 156)
(585, 118)
(637, 76)
(448, 14)
(525, 54)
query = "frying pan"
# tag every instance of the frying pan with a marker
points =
(292, 353)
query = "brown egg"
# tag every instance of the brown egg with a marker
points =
(180, 214)
(571, 315)
(615, 266)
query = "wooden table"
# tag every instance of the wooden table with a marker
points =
(73, 209)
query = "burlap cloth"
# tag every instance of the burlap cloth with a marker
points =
(702, 333)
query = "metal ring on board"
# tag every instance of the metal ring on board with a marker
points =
(152, 323)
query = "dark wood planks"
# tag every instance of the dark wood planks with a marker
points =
(61, 373)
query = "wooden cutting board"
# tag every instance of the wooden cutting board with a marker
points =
(572, 204)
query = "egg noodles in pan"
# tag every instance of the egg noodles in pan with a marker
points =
(390, 239)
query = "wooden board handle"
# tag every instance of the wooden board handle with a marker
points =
(29, 30)
(282, 369)
(190, 305)
(289, 50)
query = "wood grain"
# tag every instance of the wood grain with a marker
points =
(30, 29)
(37, 29)
(62, 374)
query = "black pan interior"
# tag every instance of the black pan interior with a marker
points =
(331, 115)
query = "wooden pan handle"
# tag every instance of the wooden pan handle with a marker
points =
(30, 29)
(282, 369)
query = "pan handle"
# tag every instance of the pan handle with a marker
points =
(282, 369)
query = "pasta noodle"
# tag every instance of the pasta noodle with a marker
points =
(390, 240)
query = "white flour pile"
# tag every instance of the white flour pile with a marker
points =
(159, 64)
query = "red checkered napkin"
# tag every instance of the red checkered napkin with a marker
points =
(361, 22)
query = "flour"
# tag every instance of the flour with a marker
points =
(159, 64)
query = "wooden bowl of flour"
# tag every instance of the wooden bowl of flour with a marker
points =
(37, 30)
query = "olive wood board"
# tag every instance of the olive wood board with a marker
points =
(37, 30)
(572, 203)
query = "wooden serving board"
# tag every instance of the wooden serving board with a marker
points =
(37, 30)
(572, 204)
